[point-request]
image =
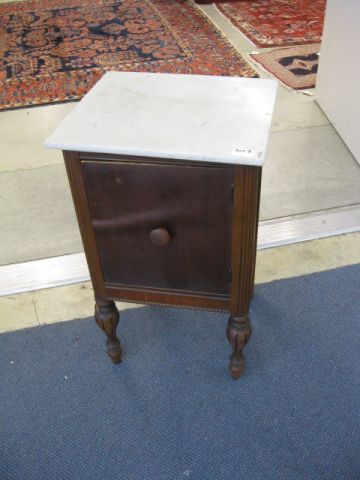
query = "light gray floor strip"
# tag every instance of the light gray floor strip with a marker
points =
(38, 274)
(67, 269)
(304, 227)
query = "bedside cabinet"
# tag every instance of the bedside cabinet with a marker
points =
(165, 174)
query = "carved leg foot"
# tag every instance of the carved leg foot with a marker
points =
(107, 317)
(238, 333)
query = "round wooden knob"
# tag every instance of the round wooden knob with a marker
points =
(160, 236)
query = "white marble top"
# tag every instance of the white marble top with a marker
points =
(188, 117)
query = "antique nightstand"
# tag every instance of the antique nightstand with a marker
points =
(165, 175)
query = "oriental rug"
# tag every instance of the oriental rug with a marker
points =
(277, 23)
(55, 50)
(296, 67)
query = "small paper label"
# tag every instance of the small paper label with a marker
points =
(244, 152)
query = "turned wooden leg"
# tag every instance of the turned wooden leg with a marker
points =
(238, 333)
(107, 317)
(244, 235)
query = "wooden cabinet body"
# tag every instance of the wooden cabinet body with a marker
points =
(165, 174)
(207, 215)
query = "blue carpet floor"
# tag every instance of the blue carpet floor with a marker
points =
(171, 411)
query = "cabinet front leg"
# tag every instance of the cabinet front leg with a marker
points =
(243, 245)
(238, 333)
(107, 317)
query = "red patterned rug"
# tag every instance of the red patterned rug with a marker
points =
(55, 50)
(277, 23)
(296, 67)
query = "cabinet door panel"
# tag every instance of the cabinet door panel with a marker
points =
(162, 226)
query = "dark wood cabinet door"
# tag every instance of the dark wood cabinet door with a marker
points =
(163, 226)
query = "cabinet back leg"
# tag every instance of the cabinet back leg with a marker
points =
(238, 333)
(107, 317)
